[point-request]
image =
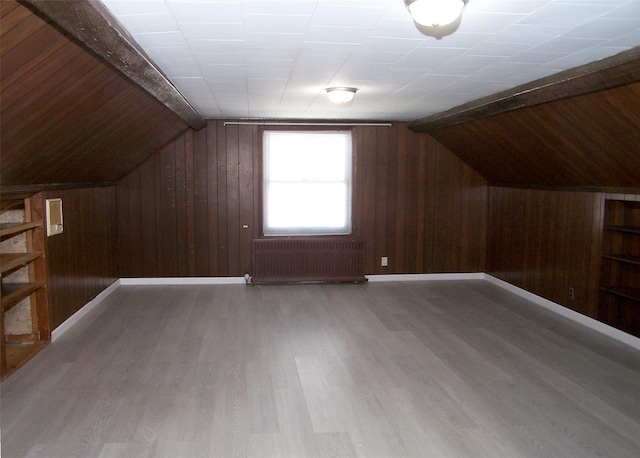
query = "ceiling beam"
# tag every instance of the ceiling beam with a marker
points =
(91, 25)
(623, 68)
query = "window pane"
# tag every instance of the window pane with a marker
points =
(307, 182)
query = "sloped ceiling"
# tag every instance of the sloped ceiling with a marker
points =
(592, 140)
(579, 128)
(67, 117)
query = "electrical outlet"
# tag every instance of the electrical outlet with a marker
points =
(572, 293)
(384, 261)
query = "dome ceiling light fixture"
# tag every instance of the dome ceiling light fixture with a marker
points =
(341, 95)
(435, 13)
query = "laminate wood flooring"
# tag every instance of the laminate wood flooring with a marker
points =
(416, 369)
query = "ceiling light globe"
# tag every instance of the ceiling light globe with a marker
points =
(435, 13)
(341, 95)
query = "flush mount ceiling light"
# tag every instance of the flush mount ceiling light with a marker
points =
(341, 95)
(435, 13)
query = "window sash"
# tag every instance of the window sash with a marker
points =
(307, 182)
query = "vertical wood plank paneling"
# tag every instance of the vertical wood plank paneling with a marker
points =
(136, 225)
(413, 201)
(213, 198)
(160, 214)
(247, 143)
(123, 227)
(201, 201)
(169, 223)
(190, 204)
(51, 85)
(148, 234)
(182, 241)
(403, 227)
(392, 157)
(233, 198)
(367, 162)
(446, 221)
(223, 240)
(379, 236)
(546, 242)
(423, 246)
(81, 261)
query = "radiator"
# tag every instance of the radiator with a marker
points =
(308, 260)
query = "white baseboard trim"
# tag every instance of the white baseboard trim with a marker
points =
(93, 303)
(596, 325)
(584, 320)
(426, 277)
(184, 281)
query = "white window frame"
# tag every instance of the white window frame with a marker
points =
(317, 145)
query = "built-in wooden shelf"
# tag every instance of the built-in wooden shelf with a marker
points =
(10, 229)
(13, 293)
(16, 349)
(628, 293)
(9, 262)
(624, 258)
(619, 303)
(18, 354)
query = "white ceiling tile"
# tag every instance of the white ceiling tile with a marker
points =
(279, 7)
(348, 14)
(327, 49)
(481, 22)
(274, 40)
(502, 6)
(212, 70)
(527, 34)
(242, 58)
(124, 7)
(582, 57)
(216, 46)
(629, 9)
(160, 40)
(566, 45)
(606, 28)
(332, 34)
(498, 49)
(211, 12)
(206, 31)
(149, 23)
(565, 15)
(185, 68)
(274, 23)
(220, 58)
(539, 58)
(165, 54)
(396, 28)
(392, 45)
(465, 65)
(266, 85)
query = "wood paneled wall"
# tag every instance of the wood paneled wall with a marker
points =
(67, 117)
(193, 208)
(588, 140)
(82, 261)
(546, 242)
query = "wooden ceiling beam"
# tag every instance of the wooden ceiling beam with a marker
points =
(618, 70)
(91, 25)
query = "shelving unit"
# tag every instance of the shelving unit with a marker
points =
(619, 304)
(15, 350)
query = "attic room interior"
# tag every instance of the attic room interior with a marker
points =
(480, 297)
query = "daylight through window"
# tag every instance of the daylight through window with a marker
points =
(307, 182)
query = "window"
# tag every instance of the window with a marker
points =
(306, 182)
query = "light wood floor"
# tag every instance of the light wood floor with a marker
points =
(424, 369)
